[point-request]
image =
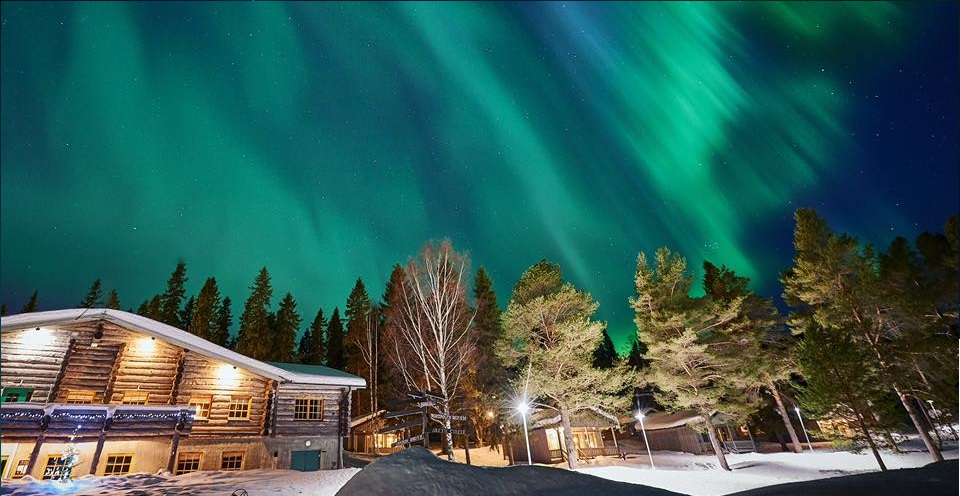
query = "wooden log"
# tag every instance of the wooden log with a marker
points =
(55, 389)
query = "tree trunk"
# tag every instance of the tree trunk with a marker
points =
(509, 448)
(466, 448)
(797, 448)
(568, 439)
(715, 442)
(873, 446)
(448, 436)
(931, 447)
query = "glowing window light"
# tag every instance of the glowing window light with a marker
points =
(227, 374)
(37, 338)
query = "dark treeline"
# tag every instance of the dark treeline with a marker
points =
(870, 338)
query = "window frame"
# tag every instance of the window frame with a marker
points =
(146, 397)
(180, 458)
(313, 405)
(225, 454)
(199, 400)
(85, 392)
(62, 464)
(106, 466)
(24, 463)
(20, 392)
(240, 401)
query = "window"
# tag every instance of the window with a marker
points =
(80, 396)
(21, 469)
(56, 467)
(188, 462)
(118, 464)
(135, 397)
(3, 466)
(239, 409)
(308, 409)
(231, 460)
(202, 403)
(17, 395)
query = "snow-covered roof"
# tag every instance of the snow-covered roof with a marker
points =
(355, 421)
(663, 420)
(183, 339)
(546, 418)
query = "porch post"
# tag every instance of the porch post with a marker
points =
(35, 453)
(97, 452)
(173, 450)
(614, 434)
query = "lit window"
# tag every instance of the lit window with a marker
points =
(136, 397)
(21, 469)
(232, 460)
(118, 464)
(56, 467)
(308, 409)
(239, 409)
(80, 396)
(187, 462)
(202, 404)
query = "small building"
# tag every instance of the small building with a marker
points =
(364, 437)
(131, 394)
(547, 436)
(672, 432)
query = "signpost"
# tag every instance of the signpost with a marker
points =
(439, 416)
(422, 400)
(404, 442)
(441, 430)
(405, 425)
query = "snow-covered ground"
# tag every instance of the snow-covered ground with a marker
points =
(214, 483)
(701, 476)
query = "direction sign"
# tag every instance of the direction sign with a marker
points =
(405, 425)
(398, 404)
(404, 413)
(404, 442)
(440, 416)
(440, 430)
(434, 395)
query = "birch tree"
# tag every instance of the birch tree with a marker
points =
(430, 344)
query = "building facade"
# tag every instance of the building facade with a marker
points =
(130, 394)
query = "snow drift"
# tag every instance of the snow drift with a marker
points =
(418, 471)
(935, 479)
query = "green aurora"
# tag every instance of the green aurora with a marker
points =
(328, 141)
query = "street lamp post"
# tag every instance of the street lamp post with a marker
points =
(797, 409)
(523, 408)
(646, 443)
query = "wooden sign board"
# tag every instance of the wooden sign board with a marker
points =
(404, 442)
(434, 395)
(404, 413)
(398, 404)
(440, 430)
(405, 425)
(440, 416)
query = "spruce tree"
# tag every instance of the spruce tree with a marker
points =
(31, 305)
(550, 336)
(357, 313)
(312, 344)
(392, 386)
(605, 355)
(185, 315)
(172, 298)
(636, 359)
(695, 345)
(254, 338)
(94, 297)
(285, 331)
(203, 321)
(220, 334)
(490, 378)
(3, 310)
(113, 301)
(335, 338)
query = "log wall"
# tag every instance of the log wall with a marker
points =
(36, 365)
(287, 395)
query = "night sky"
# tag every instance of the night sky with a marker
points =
(330, 141)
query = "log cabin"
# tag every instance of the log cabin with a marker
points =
(547, 439)
(130, 394)
(673, 432)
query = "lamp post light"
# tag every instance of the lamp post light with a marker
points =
(523, 408)
(797, 409)
(643, 429)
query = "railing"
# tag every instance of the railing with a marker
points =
(584, 453)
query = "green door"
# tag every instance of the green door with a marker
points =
(305, 461)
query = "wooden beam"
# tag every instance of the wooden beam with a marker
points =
(35, 453)
(108, 394)
(55, 389)
(174, 446)
(181, 359)
(96, 453)
(268, 412)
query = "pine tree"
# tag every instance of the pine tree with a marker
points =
(286, 328)
(94, 297)
(335, 338)
(203, 321)
(151, 308)
(113, 301)
(254, 338)
(172, 298)
(694, 345)
(220, 334)
(31, 305)
(550, 334)
(312, 344)
(605, 354)
(185, 315)
(837, 285)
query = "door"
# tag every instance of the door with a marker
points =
(305, 461)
